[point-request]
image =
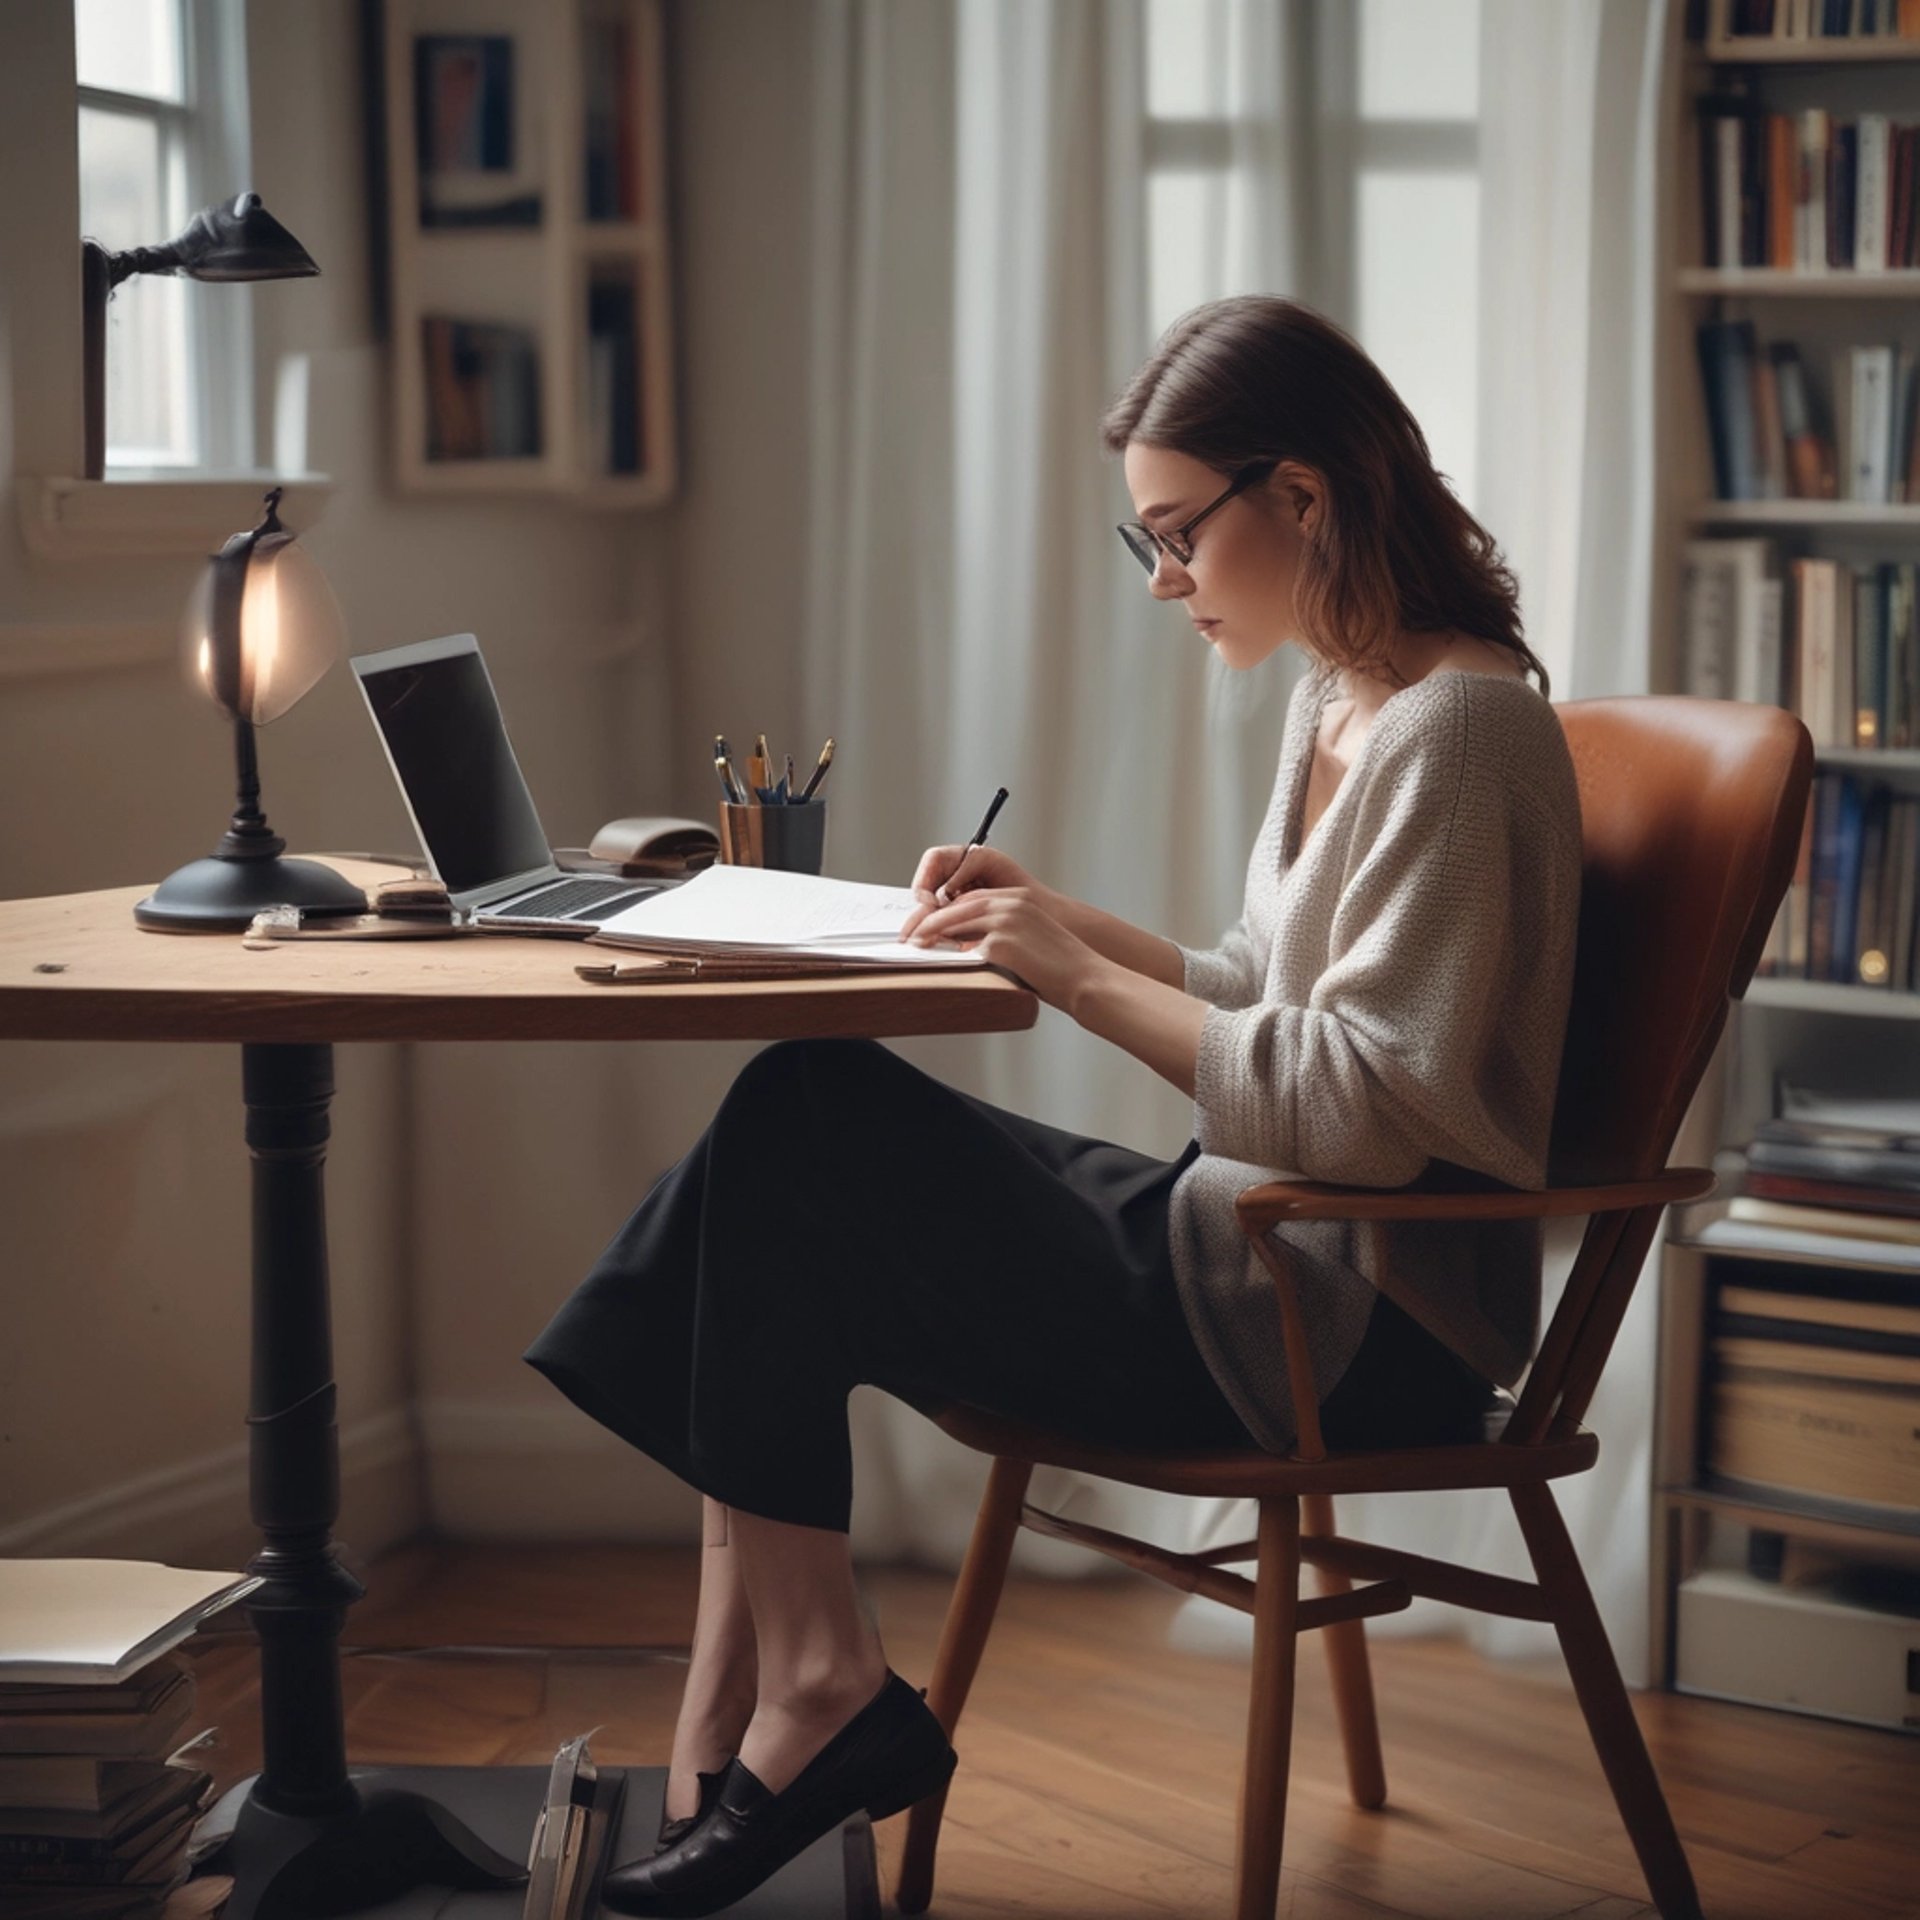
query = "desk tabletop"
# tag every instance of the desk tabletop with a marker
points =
(76, 967)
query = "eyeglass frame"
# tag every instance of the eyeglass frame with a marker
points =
(1179, 542)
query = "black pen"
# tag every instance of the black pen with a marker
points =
(820, 772)
(944, 892)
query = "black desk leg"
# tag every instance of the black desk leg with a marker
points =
(309, 1842)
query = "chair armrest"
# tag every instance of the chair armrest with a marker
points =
(1259, 1208)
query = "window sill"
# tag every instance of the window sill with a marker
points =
(91, 519)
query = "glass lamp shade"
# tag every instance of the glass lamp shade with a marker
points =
(261, 626)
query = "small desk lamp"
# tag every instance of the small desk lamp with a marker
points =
(236, 240)
(260, 628)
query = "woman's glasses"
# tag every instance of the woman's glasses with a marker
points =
(1146, 545)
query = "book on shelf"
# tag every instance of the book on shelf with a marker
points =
(482, 389)
(1848, 1224)
(1813, 1380)
(465, 134)
(1790, 20)
(613, 373)
(1765, 424)
(1853, 891)
(610, 184)
(1804, 191)
(1731, 622)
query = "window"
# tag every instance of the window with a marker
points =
(162, 134)
(1336, 142)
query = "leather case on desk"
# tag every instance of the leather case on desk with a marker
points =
(835, 1879)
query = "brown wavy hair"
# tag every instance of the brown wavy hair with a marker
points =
(1254, 379)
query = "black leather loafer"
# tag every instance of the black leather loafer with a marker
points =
(889, 1755)
(672, 1832)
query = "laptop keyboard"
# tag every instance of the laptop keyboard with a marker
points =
(567, 897)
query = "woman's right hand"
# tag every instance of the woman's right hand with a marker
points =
(985, 867)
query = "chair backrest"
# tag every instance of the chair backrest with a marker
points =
(1691, 814)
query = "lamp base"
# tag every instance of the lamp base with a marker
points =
(219, 895)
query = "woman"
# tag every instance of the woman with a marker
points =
(1394, 996)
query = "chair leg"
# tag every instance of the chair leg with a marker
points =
(1263, 1786)
(1352, 1677)
(963, 1639)
(1603, 1699)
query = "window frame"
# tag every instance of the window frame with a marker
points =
(1323, 47)
(206, 138)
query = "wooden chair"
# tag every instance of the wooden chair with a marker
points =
(1692, 814)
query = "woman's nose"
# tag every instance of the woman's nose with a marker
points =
(1169, 580)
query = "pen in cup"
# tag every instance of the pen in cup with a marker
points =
(944, 892)
(723, 766)
(820, 771)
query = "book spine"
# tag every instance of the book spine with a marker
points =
(1870, 204)
(1709, 622)
(1817, 580)
(1765, 686)
(1770, 434)
(1808, 1191)
(1781, 166)
(1825, 874)
(1840, 195)
(1848, 844)
(1842, 1440)
(1812, 197)
(1869, 658)
(1871, 423)
(1809, 461)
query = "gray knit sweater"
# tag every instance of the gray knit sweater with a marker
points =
(1397, 994)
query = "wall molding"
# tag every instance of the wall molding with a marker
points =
(544, 1473)
(191, 1506)
(184, 514)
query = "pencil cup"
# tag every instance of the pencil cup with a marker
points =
(793, 838)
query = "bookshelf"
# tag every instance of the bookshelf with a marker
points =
(528, 260)
(1819, 1032)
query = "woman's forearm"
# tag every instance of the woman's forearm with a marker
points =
(1119, 940)
(1152, 1019)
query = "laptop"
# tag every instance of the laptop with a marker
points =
(434, 707)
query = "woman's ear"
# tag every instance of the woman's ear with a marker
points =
(1305, 492)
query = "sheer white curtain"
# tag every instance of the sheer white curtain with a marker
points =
(984, 283)
(972, 619)
(1570, 112)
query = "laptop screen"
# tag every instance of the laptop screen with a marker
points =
(435, 708)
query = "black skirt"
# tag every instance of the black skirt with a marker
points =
(847, 1219)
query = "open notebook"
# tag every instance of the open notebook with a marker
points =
(764, 913)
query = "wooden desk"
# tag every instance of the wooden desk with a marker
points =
(75, 967)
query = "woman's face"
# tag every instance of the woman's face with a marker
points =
(1238, 587)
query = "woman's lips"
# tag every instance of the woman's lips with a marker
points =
(1206, 626)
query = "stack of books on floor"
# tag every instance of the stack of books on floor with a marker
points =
(95, 1815)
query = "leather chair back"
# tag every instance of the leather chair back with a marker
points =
(1692, 813)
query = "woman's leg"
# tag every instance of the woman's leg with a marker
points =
(722, 1671)
(820, 1657)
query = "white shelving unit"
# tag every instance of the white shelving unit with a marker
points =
(1829, 1033)
(548, 339)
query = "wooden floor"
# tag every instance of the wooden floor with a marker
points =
(1098, 1769)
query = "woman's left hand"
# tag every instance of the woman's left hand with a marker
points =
(1009, 927)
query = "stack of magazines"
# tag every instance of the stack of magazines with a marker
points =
(1837, 1164)
(97, 1796)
